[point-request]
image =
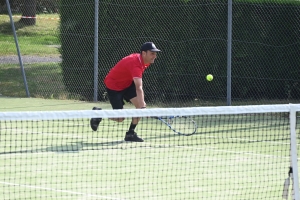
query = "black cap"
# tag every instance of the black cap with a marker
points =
(149, 46)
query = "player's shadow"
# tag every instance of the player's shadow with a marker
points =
(213, 135)
(74, 147)
(82, 146)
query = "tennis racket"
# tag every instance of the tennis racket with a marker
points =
(179, 124)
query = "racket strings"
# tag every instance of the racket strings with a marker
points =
(183, 125)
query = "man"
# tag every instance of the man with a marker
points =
(124, 82)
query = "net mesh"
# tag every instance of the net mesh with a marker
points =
(236, 153)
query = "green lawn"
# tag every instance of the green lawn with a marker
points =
(41, 78)
(33, 40)
(39, 40)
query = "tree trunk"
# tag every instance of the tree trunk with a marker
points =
(29, 12)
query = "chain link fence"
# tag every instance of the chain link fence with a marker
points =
(193, 37)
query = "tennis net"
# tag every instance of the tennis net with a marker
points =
(236, 152)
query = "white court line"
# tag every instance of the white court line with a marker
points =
(63, 191)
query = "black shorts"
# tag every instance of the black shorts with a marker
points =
(117, 98)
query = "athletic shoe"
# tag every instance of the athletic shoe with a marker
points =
(95, 121)
(132, 137)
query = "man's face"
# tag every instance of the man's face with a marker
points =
(148, 57)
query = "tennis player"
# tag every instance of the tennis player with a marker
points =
(124, 82)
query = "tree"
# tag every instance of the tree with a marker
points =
(29, 11)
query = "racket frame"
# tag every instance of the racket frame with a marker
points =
(166, 121)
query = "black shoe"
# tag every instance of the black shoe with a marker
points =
(132, 137)
(95, 121)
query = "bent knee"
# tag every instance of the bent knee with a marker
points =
(121, 119)
(118, 119)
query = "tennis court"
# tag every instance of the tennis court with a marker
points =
(244, 156)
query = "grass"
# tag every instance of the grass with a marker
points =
(39, 39)
(8, 104)
(44, 80)
(41, 78)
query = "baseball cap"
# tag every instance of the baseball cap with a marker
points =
(149, 46)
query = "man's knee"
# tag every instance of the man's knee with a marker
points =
(118, 119)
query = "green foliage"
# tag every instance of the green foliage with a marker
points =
(77, 49)
(265, 49)
(180, 29)
(193, 38)
(42, 6)
(285, 2)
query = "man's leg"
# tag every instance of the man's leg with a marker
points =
(131, 135)
(94, 122)
(116, 101)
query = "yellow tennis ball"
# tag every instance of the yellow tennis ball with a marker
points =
(209, 77)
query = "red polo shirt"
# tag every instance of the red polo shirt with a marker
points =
(122, 74)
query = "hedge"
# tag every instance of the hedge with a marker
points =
(193, 37)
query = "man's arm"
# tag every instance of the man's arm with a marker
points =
(139, 92)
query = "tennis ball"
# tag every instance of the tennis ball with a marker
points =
(209, 77)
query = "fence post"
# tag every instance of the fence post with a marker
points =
(17, 46)
(229, 46)
(96, 50)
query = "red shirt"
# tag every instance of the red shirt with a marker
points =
(122, 74)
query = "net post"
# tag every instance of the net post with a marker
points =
(294, 157)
